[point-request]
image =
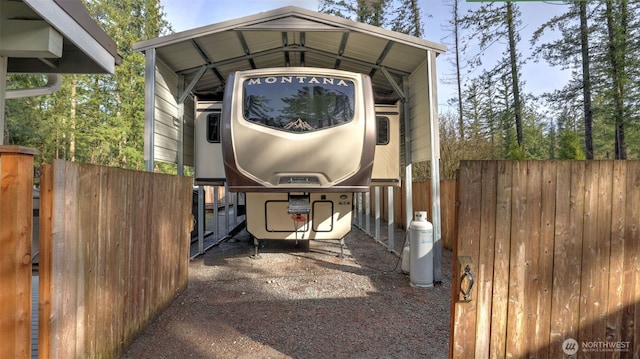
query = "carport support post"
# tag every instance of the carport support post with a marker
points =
(408, 175)
(201, 220)
(435, 168)
(390, 220)
(3, 93)
(216, 204)
(149, 107)
(180, 168)
(376, 200)
(367, 211)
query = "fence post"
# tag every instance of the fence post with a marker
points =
(16, 219)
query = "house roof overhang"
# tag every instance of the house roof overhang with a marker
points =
(54, 36)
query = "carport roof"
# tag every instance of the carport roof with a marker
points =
(290, 36)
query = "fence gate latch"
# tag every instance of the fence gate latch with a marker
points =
(466, 279)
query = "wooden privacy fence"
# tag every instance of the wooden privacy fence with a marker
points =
(421, 194)
(114, 252)
(553, 247)
(16, 186)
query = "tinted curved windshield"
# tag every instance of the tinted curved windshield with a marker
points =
(298, 103)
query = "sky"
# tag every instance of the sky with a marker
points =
(539, 77)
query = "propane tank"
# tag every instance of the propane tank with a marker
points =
(421, 252)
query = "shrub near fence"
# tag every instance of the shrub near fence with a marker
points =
(114, 247)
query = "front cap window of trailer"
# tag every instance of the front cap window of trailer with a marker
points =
(298, 103)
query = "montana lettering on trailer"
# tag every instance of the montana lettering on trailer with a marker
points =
(298, 79)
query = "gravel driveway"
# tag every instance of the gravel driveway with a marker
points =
(294, 303)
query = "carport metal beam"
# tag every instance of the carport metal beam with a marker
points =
(245, 48)
(291, 48)
(187, 90)
(149, 107)
(393, 83)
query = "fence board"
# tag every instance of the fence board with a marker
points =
(517, 270)
(595, 254)
(469, 228)
(631, 313)
(545, 257)
(615, 304)
(448, 218)
(531, 236)
(589, 255)
(88, 197)
(567, 249)
(102, 312)
(64, 239)
(485, 264)
(501, 260)
(45, 265)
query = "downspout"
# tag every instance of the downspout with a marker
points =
(54, 81)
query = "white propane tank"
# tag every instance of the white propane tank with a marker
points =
(405, 256)
(421, 253)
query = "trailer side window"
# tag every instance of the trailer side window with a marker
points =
(213, 127)
(382, 130)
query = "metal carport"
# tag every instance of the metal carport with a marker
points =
(197, 62)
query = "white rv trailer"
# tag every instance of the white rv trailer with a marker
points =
(299, 142)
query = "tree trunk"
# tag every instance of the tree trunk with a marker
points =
(415, 10)
(586, 82)
(517, 106)
(616, 50)
(72, 119)
(456, 35)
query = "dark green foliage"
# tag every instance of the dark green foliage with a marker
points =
(570, 147)
(397, 15)
(94, 118)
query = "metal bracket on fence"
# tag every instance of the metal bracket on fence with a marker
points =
(465, 263)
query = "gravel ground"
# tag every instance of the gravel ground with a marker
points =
(301, 302)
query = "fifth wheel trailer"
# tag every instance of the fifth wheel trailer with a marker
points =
(299, 142)
(198, 61)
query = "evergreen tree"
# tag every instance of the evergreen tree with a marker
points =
(617, 21)
(492, 23)
(407, 18)
(458, 48)
(397, 15)
(597, 46)
(569, 146)
(372, 12)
